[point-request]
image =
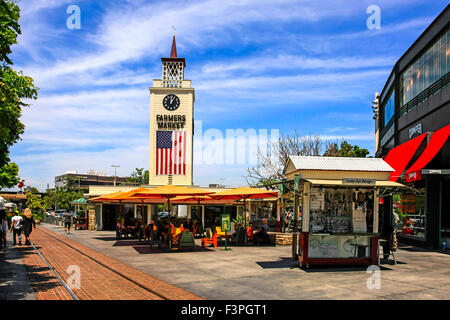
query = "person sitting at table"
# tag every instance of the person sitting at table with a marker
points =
(148, 230)
(163, 234)
(188, 225)
(151, 233)
(175, 235)
(250, 231)
(238, 236)
(137, 229)
(261, 235)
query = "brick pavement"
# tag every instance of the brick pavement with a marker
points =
(267, 272)
(44, 283)
(97, 282)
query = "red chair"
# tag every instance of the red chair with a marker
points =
(212, 240)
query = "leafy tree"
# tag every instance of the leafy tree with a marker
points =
(62, 197)
(9, 175)
(14, 88)
(345, 150)
(139, 176)
(37, 204)
(34, 190)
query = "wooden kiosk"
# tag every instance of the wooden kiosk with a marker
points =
(338, 208)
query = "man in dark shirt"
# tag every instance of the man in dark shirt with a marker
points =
(189, 225)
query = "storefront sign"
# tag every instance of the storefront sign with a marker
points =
(417, 129)
(170, 122)
(226, 224)
(359, 181)
(413, 176)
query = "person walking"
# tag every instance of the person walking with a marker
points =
(28, 223)
(67, 222)
(3, 229)
(16, 227)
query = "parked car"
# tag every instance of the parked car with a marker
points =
(163, 215)
(60, 212)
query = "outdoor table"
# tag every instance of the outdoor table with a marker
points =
(223, 236)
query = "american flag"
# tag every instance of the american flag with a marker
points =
(170, 152)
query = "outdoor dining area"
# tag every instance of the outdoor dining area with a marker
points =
(167, 231)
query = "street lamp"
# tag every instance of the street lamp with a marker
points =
(115, 175)
(376, 106)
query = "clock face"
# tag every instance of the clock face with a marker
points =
(171, 102)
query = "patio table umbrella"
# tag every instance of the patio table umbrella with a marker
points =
(109, 197)
(169, 192)
(132, 195)
(197, 199)
(244, 193)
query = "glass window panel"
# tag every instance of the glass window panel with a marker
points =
(389, 108)
(426, 70)
(409, 213)
(421, 73)
(442, 57)
(447, 52)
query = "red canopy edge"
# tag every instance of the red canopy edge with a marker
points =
(436, 142)
(399, 157)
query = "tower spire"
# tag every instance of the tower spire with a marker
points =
(173, 52)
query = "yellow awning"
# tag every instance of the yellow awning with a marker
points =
(378, 183)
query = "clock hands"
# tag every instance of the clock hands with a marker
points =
(171, 102)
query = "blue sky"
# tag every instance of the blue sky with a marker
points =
(307, 65)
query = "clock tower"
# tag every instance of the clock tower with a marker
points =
(171, 124)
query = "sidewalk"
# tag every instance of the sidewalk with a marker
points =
(268, 272)
(14, 281)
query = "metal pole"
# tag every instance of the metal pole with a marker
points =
(296, 203)
(115, 172)
(245, 222)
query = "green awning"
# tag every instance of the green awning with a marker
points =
(80, 201)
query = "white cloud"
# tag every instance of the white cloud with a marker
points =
(93, 108)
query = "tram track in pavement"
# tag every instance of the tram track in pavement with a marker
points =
(73, 295)
(104, 281)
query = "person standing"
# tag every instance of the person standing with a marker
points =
(67, 222)
(3, 229)
(16, 228)
(28, 223)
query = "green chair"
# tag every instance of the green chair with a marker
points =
(187, 240)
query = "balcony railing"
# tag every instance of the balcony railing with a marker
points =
(425, 94)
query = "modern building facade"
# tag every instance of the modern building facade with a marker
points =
(171, 124)
(86, 180)
(412, 126)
